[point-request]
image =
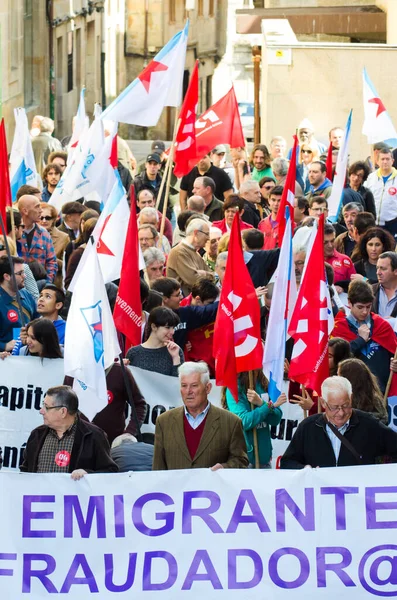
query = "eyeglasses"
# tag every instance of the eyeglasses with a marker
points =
(47, 408)
(20, 273)
(268, 187)
(334, 409)
(204, 233)
(46, 218)
(146, 239)
(307, 151)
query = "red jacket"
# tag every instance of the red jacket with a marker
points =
(201, 340)
(222, 225)
(271, 233)
(342, 266)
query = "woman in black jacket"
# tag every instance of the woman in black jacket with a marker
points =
(374, 241)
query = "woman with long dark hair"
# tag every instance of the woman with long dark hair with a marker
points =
(42, 340)
(338, 350)
(264, 415)
(374, 241)
(366, 392)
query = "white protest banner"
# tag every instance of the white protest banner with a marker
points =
(193, 534)
(24, 381)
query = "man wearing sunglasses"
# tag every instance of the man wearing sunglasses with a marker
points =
(65, 443)
(341, 436)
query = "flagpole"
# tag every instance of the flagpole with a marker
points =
(255, 433)
(389, 383)
(304, 395)
(167, 189)
(163, 180)
(14, 281)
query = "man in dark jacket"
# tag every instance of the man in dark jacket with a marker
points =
(65, 443)
(150, 179)
(341, 436)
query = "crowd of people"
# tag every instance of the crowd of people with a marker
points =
(185, 253)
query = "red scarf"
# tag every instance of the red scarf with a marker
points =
(382, 331)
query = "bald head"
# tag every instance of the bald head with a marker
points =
(30, 210)
(196, 203)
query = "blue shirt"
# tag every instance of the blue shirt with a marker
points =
(385, 305)
(335, 441)
(194, 422)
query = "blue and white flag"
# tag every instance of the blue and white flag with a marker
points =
(338, 184)
(283, 302)
(89, 166)
(81, 124)
(23, 166)
(159, 85)
(91, 343)
(377, 126)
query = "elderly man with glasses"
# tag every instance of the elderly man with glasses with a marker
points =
(65, 443)
(341, 436)
(184, 262)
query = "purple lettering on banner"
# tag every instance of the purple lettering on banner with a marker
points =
(340, 503)
(96, 505)
(337, 568)
(371, 506)
(167, 517)
(109, 568)
(188, 512)
(147, 584)
(284, 500)
(28, 572)
(7, 572)
(28, 515)
(391, 577)
(210, 574)
(256, 516)
(119, 521)
(71, 579)
(304, 566)
(255, 580)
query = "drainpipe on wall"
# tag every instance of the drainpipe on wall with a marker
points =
(256, 57)
(50, 19)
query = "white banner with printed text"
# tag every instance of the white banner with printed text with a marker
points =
(241, 534)
(25, 380)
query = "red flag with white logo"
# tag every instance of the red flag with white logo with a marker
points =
(288, 197)
(127, 312)
(220, 124)
(312, 320)
(237, 335)
(186, 136)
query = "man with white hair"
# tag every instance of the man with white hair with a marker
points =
(196, 203)
(154, 263)
(341, 436)
(184, 262)
(280, 170)
(251, 194)
(43, 144)
(198, 434)
(150, 216)
(131, 455)
(277, 147)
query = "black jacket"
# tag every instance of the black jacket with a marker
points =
(251, 214)
(90, 450)
(311, 445)
(262, 265)
(141, 182)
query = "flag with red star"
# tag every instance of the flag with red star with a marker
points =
(378, 126)
(159, 85)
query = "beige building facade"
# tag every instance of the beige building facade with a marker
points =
(50, 50)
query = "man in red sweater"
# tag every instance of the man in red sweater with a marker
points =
(198, 435)
(341, 263)
(269, 226)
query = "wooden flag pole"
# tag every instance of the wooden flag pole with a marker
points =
(255, 433)
(304, 395)
(167, 189)
(389, 383)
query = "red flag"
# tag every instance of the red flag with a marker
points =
(220, 124)
(328, 163)
(5, 188)
(309, 322)
(127, 312)
(114, 161)
(186, 136)
(237, 335)
(288, 197)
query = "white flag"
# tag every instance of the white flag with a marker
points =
(23, 166)
(91, 343)
(377, 126)
(81, 124)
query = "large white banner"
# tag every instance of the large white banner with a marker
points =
(25, 380)
(230, 534)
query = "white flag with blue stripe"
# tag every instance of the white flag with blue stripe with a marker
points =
(338, 184)
(23, 166)
(283, 302)
(157, 86)
(377, 126)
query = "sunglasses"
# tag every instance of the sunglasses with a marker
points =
(46, 218)
(307, 152)
(2, 247)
